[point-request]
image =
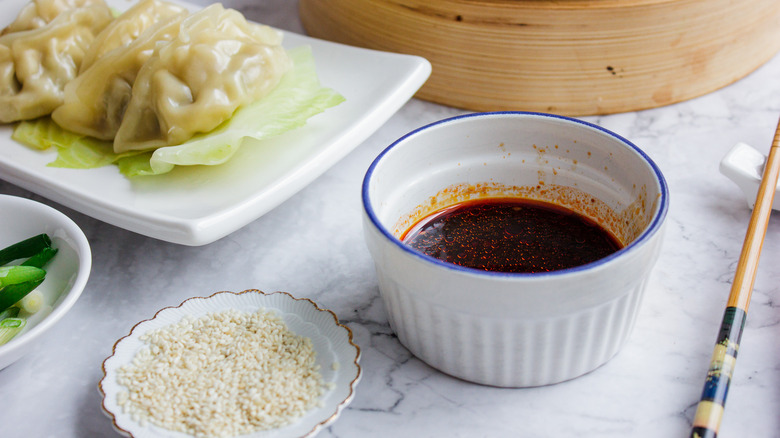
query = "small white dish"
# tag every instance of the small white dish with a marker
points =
(66, 274)
(514, 329)
(744, 165)
(196, 206)
(331, 340)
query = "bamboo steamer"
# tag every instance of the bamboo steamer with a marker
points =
(570, 57)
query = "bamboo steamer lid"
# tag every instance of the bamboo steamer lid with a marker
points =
(570, 57)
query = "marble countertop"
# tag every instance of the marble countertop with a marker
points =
(312, 246)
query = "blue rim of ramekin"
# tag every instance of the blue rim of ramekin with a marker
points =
(655, 225)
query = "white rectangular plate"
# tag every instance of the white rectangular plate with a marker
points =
(198, 205)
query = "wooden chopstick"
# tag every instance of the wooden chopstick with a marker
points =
(709, 412)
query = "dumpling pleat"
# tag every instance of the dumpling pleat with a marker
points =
(95, 102)
(36, 64)
(217, 63)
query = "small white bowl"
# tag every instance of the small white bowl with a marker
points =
(331, 340)
(502, 329)
(66, 274)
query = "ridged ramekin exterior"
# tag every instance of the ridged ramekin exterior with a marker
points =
(506, 352)
(453, 335)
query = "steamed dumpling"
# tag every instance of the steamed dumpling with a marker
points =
(129, 26)
(36, 64)
(39, 13)
(95, 101)
(217, 63)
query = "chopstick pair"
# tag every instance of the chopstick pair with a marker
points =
(709, 412)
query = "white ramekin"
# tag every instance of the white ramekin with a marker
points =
(513, 330)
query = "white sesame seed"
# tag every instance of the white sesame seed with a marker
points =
(224, 374)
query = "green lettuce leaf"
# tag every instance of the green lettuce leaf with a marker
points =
(74, 151)
(298, 97)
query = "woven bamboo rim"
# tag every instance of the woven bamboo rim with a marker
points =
(571, 57)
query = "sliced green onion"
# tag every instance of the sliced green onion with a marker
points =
(40, 259)
(12, 294)
(32, 302)
(11, 312)
(25, 248)
(9, 328)
(19, 274)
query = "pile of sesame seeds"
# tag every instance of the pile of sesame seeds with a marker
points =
(223, 374)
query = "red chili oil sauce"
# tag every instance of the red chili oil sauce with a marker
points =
(511, 235)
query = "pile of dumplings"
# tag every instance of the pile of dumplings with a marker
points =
(151, 77)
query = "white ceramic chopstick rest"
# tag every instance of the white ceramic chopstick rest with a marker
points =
(744, 165)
